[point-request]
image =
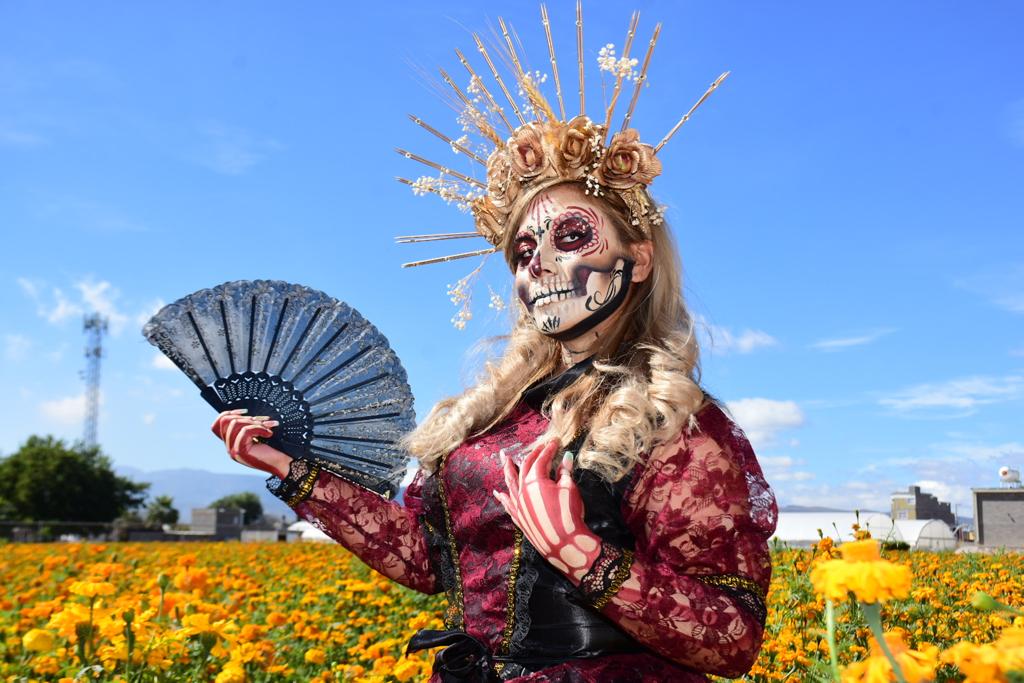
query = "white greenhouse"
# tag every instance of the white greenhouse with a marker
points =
(800, 529)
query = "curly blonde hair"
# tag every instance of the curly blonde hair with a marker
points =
(643, 390)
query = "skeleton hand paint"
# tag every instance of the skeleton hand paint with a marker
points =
(550, 512)
(572, 270)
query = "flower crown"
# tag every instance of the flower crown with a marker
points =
(544, 149)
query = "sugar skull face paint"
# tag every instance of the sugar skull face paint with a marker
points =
(572, 270)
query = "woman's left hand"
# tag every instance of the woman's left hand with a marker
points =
(550, 511)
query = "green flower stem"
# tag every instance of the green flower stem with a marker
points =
(873, 615)
(830, 625)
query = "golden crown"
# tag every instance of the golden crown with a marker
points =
(546, 147)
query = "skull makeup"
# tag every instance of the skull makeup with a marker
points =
(572, 269)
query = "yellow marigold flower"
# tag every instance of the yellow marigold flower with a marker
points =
(863, 572)
(91, 589)
(917, 665)
(38, 640)
(199, 623)
(315, 655)
(231, 673)
(407, 671)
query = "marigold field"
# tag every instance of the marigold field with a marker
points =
(231, 612)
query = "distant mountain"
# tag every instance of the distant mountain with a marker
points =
(813, 508)
(192, 488)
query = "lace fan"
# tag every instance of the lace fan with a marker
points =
(303, 358)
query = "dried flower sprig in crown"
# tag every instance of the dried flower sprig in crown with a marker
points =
(544, 148)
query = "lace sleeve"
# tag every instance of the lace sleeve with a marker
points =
(385, 535)
(694, 588)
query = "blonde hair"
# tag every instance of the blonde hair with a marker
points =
(643, 389)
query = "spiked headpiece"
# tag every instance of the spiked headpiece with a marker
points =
(545, 148)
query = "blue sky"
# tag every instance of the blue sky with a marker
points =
(848, 207)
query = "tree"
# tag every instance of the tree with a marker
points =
(46, 480)
(248, 502)
(161, 511)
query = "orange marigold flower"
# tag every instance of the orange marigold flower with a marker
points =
(315, 655)
(917, 665)
(276, 619)
(989, 661)
(863, 572)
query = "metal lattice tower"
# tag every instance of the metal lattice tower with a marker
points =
(94, 327)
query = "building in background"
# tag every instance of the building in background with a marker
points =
(915, 504)
(999, 517)
(221, 524)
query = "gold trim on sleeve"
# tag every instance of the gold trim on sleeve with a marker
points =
(454, 616)
(306, 487)
(619, 578)
(734, 581)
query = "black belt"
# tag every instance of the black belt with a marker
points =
(467, 660)
(560, 630)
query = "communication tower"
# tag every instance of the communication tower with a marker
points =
(94, 326)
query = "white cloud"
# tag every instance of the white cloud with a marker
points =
(149, 418)
(1008, 452)
(961, 396)
(783, 468)
(840, 343)
(762, 419)
(57, 354)
(99, 296)
(1015, 122)
(726, 341)
(232, 151)
(848, 495)
(950, 468)
(948, 493)
(88, 215)
(148, 312)
(11, 136)
(30, 288)
(16, 346)
(797, 475)
(162, 362)
(776, 461)
(1003, 287)
(66, 411)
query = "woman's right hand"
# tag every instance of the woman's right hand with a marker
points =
(240, 431)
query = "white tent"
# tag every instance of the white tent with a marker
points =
(304, 531)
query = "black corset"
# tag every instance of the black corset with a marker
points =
(554, 621)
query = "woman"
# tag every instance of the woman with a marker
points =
(643, 557)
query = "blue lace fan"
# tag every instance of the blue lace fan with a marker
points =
(309, 361)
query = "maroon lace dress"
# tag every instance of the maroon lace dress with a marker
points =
(686, 584)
